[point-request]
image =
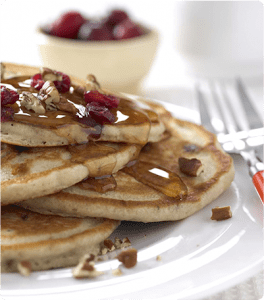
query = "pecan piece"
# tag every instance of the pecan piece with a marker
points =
(221, 213)
(66, 105)
(48, 74)
(122, 244)
(24, 268)
(92, 84)
(191, 167)
(86, 268)
(31, 102)
(50, 95)
(128, 258)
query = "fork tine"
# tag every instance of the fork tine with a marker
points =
(204, 114)
(252, 116)
(223, 102)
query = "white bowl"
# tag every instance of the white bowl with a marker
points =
(117, 65)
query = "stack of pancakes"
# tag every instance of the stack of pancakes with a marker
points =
(65, 187)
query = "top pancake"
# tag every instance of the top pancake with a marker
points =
(55, 128)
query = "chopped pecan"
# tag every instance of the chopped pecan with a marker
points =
(86, 268)
(2, 70)
(92, 84)
(117, 243)
(128, 258)
(122, 244)
(24, 268)
(66, 105)
(31, 102)
(109, 244)
(48, 74)
(50, 95)
(117, 272)
(191, 167)
(221, 213)
(158, 258)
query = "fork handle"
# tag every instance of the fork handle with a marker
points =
(258, 181)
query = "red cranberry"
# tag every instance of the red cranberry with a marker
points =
(108, 101)
(100, 114)
(67, 25)
(8, 96)
(95, 31)
(115, 17)
(7, 114)
(62, 86)
(37, 81)
(126, 30)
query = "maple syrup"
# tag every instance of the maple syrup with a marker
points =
(159, 178)
(101, 184)
(126, 113)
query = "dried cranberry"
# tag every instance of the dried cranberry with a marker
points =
(108, 101)
(67, 25)
(126, 30)
(100, 114)
(37, 81)
(62, 86)
(95, 31)
(115, 17)
(8, 96)
(7, 114)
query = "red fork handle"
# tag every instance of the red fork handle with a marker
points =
(258, 180)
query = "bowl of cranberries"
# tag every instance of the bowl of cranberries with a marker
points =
(115, 48)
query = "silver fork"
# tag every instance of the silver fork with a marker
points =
(229, 113)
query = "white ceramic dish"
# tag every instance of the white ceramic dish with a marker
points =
(199, 257)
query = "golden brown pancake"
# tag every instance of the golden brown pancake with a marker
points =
(147, 195)
(55, 128)
(48, 241)
(30, 172)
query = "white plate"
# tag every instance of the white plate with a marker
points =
(199, 257)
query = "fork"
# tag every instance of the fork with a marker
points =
(229, 113)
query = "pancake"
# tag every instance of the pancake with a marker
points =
(34, 172)
(58, 127)
(48, 241)
(142, 191)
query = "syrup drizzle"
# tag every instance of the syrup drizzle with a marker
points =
(165, 181)
(98, 184)
(126, 113)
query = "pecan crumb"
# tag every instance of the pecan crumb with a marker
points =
(158, 258)
(24, 268)
(117, 272)
(122, 244)
(191, 167)
(125, 243)
(85, 268)
(109, 244)
(128, 258)
(117, 243)
(221, 213)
